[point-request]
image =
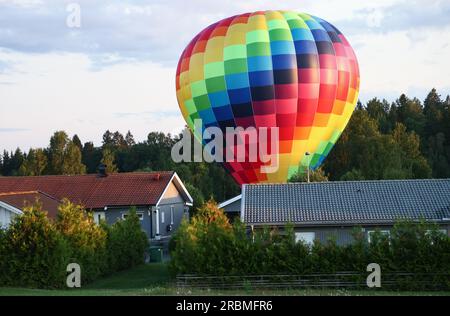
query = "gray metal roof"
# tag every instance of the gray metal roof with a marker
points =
(346, 202)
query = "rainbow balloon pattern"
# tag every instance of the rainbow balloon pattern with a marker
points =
(279, 69)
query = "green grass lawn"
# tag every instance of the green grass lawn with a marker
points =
(153, 279)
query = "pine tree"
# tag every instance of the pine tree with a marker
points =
(6, 160)
(91, 156)
(76, 140)
(107, 138)
(129, 139)
(15, 162)
(118, 140)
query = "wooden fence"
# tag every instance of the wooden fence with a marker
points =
(343, 279)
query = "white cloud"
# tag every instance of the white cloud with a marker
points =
(58, 91)
(22, 3)
(117, 71)
(394, 63)
(374, 18)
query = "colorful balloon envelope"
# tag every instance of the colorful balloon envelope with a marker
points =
(271, 69)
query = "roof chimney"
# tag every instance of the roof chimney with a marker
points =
(156, 176)
(102, 170)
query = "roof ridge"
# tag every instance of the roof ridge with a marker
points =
(351, 181)
(49, 196)
(18, 193)
(87, 174)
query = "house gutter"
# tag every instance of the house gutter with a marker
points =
(340, 224)
(157, 235)
(243, 202)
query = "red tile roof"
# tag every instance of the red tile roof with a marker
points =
(118, 189)
(20, 200)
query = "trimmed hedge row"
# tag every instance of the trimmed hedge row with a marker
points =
(35, 251)
(209, 247)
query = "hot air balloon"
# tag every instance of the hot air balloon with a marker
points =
(279, 69)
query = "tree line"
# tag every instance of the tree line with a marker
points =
(404, 139)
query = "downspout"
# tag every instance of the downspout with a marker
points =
(150, 218)
(157, 236)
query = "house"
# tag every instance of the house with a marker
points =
(160, 198)
(323, 210)
(13, 203)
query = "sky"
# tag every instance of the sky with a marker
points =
(117, 70)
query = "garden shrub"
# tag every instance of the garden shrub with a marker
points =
(2, 256)
(126, 243)
(210, 245)
(86, 239)
(35, 250)
(205, 245)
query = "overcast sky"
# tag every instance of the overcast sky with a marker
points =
(117, 70)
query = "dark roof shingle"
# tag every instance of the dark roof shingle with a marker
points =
(347, 202)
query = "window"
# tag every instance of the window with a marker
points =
(139, 214)
(306, 237)
(171, 215)
(162, 217)
(98, 216)
(443, 231)
(371, 232)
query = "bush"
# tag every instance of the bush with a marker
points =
(35, 251)
(204, 245)
(86, 239)
(127, 243)
(2, 256)
(209, 245)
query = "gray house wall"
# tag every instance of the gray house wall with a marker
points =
(170, 199)
(114, 214)
(343, 234)
(234, 207)
(233, 210)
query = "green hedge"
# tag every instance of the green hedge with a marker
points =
(210, 249)
(35, 251)
(127, 243)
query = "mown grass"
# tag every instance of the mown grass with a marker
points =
(153, 279)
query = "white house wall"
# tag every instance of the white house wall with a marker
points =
(6, 216)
